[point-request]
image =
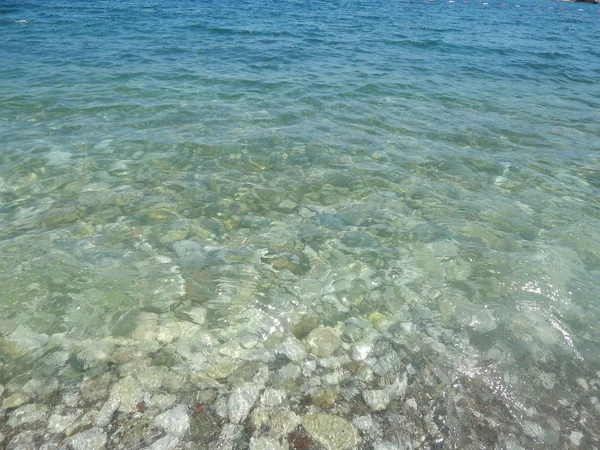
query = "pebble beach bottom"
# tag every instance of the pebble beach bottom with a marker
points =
(299, 225)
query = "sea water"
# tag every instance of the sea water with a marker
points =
(299, 224)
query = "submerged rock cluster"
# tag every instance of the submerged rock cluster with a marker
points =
(238, 320)
(180, 376)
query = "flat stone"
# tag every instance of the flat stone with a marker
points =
(59, 423)
(263, 355)
(175, 421)
(106, 413)
(197, 315)
(165, 443)
(161, 401)
(332, 432)
(241, 401)
(92, 439)
(14, 401)
(147, 327)
(292, 349)
(23, 441)
(532, 429)
(323, 341)
(27, 414)
(12, 349)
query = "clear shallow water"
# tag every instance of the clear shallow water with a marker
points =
(384, 212)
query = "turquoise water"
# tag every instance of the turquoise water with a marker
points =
(289, 224)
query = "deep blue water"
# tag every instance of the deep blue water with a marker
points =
(187, 188)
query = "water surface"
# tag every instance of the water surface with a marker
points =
(260, 219)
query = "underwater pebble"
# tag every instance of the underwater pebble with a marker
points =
(175, 421)
(334, 362)
(165, 443)
(85, 421)
(161, 401)
(128, 392)
(385, 445)
(365, 374)
(23, 441)
(282, 422)
(360, 351)
(172, 236)
(533, 430)
(332, 432)
(273, 397)
(259, 417)
(92, 439)
(243, 398)
(248, 341)
(56, 359)
(363, 423)
(59, 423)
(230, 433)
(12, 349)
(308, 367)
(332, 378)
(266, 443)
(263, 355)
(358, 239)
(323, 398)
(582, 383)
(376, 399)
(241, 401)
(152, 378)
(147, 327)
(380, 322)
(287, 205)
(575, 437)
(197, 315)
(27, 414)
(411, 403)
(289, 372)
(292, 348)
(106, 413)
(287, 259)
(14, 401)
(323, 341)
